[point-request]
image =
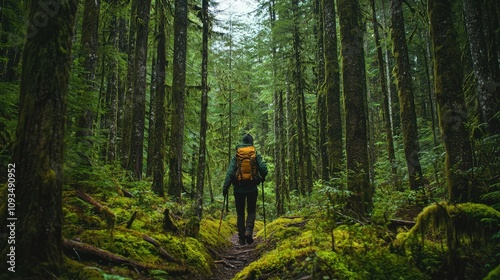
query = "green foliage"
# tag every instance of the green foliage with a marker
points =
(9, 102)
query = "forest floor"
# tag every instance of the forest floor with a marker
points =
(235, 258)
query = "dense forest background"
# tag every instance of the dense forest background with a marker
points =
(379, 121)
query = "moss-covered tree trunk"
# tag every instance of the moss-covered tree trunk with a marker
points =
(129, 86)
(291, 143)
(334, 131)
(89, 53)
(385, 93)
(37, 165)
(487, 89)
(139, 90)
(111, 115)
(406, 99)
(200, 178)
(448, 78)
(299, 92)
(159, 137)
(280, 189)
(354, 87)
(178, 97)
(322, 159)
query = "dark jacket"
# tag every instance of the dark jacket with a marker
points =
(231, 171)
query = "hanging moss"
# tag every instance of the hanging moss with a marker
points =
(467, 220)
(458, 232)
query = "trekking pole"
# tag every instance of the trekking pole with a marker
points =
(221, 215)
(264, 209)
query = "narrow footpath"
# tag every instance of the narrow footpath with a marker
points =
(235, 258)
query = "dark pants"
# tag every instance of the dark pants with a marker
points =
(251, 201)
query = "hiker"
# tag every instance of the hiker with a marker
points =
(246, 171)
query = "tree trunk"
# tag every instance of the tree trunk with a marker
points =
(139, 90)
(305, 165)
(385, 93)
(152, 111)
(354, 87)
(334, 131)
(487, 89)
(200, 179)
(159, 137)
(89, 52)
(321, 118)
(178, 97)
(37, 165)
(450, 97)
(279, 130)
(129, 86)
(111, 110)
(406, 99)
(152, 96)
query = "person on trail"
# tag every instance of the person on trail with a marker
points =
(245, 172)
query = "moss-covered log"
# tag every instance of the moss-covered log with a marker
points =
(109, 216)
(86, 251)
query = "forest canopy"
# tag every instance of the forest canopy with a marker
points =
(379, 121)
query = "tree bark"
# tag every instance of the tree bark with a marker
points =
(200, 178)
(334, 131)
(129, 87)
(178, 97)
(160, 123)
(487, 89)
(90, 47)
(111, 115)
(354, 87)
(39, 148)
(139, 90)
(385, 93)
(406, 99)
(450, 97)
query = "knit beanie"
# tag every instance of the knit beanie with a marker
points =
(248, 139)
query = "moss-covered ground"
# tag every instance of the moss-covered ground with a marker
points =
(290, 247)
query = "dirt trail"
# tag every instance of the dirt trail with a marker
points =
(235, 258)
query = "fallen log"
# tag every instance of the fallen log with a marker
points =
(84, 250)
(109, 216)
(396, 222)
(131, 220)
(162, 251)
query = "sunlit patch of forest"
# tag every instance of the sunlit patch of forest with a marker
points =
(378, 120)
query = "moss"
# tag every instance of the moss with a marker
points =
(475, 221)
(494, 274)
(188, 250)
(451, 236)
(279, 230)
(309, 254)
(209, 233)
(77, 271)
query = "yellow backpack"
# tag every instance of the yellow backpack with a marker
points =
(246, 164)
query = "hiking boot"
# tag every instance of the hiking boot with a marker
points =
(241, 240)
(249, 238)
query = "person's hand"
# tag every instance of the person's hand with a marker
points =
(225, 191)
